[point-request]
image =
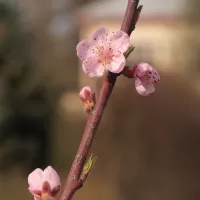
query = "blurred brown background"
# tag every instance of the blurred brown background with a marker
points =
(148, 148)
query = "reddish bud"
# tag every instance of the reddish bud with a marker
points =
(88, 99)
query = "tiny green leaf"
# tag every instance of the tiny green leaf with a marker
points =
(89, 164)
(129, 51)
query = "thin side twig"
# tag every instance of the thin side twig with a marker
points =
(73, 182)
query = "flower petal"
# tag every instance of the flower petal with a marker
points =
(100, 34)
(152, 76)
(92, 67)
(35, 179)
(101, 38)
(85, 49)
(36, 193)
(142, 69)
(117, 64)
(51, 176)
(155, 76)
(120, 41)
(144, 90)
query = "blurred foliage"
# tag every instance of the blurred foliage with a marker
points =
(23, 106)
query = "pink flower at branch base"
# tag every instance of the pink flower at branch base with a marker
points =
(44, 183)
(88, 99)
(145, 78)
(104, 52)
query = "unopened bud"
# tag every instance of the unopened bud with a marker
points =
(88, 99)
(44, 185)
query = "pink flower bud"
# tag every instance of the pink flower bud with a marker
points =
(85, 93)
(88, 99)
(45, 182)
(145, 78)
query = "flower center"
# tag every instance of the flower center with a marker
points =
(104, 54)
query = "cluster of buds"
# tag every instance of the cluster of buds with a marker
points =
(44, 185)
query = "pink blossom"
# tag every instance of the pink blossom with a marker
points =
(88, 99)
(145, 78)
(104, 52)
(46, 181)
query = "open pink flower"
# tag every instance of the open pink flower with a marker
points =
(104, 52)
(145, 78)
(46, 181)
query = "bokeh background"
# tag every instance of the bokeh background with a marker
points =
(148, 148)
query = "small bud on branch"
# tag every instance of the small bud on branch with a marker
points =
(88, 99)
